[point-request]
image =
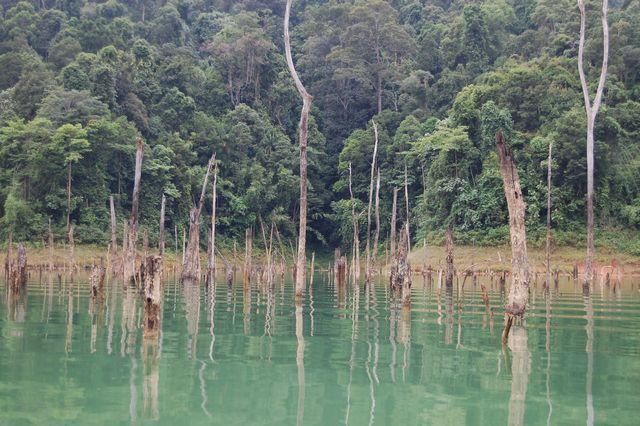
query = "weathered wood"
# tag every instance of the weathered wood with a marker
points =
(161, 237)
(129, 257)
(191, 269)
(114, 225)
(248, 253)
(8, 260)
(394, 220)
(519, 290)
(211, 272)
(72, 249)
(355, 257)
(368, 269)
(449, 267)
(152, 286)
(591, 110)
(50, 244)
(18, 274)
(406, 204)
(300, 278)
(97, 281)
(376, 237)
(548, 245)
(401, 269)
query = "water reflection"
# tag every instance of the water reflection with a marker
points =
(343, 354)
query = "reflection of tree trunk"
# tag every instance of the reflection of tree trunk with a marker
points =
(520, 370)
(300, 362)
(588, 307)
(191, 297)
(548, 350)
(300, 278)
(150, 378)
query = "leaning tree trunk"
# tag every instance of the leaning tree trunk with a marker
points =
(129, 258)
(591, 113)
(519, 290)
(191, 269)
(300, 278)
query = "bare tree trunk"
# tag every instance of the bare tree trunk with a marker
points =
(248, 252)
(18, 274)
(300, 278)
(212, 258)
(449, 268)
(72, 249)
(401, 270)
(97, 281)
(191, 269)
(129, 260)
(376, 237)
(591, 113)
(548, 279)
(394, 213)
(313, 261)
(161, 243)
(50, 244)
(519, 290)
(370, 205)
(406, 203)
(355, 261)
(114, 225)
(68, 196)
(8, 260)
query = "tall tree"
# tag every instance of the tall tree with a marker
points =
(303, 129)
(592, 111)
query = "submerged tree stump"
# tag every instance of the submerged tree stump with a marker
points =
(97, 281)
(449, 268)
(152, 288)
(401, 270)
(18, 271)
(519, 290)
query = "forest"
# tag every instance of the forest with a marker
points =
(433, 80)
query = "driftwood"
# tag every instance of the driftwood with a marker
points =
(191, 269)
(152, 285)
(300, 277)
(519, 290)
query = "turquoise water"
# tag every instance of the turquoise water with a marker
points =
(354, 356)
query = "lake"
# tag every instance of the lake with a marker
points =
(230, 355)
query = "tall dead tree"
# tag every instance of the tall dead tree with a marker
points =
(191, 269)
(114, 224)
(406, 205)
(301, 260)
(129, 250)
(161, 238)
(519, 290)
(394, 215)
(212, 256)
(591, 110)
(376, 237)
(548, 277)
(369, 207)
(248, 253)
(355, 257)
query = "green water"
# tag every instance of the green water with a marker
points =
(233, 357)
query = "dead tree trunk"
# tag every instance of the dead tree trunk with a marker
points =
(368, 269)
(50, 244)
(18, 274)
(401, 270)
(449, 268)
(394, 220)
(376, 237)
(519, 290)
(129, 258)
(548, 278)
(300, 278)
(97, 281)
(72, 250)
(161, 242)
(191, 269)
(114, 236)
(152, 282)
(212, 258)
(406, 204)
(68, 196)
(355, 261)
(8, 260)
(591, 113)
(248, 252)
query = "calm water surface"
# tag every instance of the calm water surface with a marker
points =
(230, 356)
